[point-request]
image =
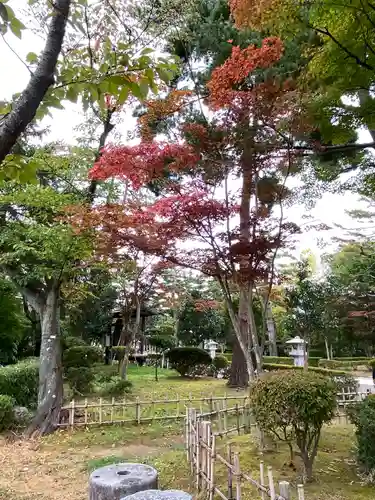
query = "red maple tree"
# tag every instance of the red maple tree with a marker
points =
(221, 219)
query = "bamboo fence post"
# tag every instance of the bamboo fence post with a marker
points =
(187, 434)
(237, 473)
(112, 409)
(301, 492)
(237, 419)
(71, 413)
(219, 417)
(124, 408)
(211, 405)
(230, 472)
(212, 467)
(261, 469)
(153, 406)
(271, 484)
(225, 413)
(284, 487)
(86, 403)
(100, 410)
(178, 405)
(205, 444)
(137, 411)
(198, 453)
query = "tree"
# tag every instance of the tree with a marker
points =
(12, 322)
(99, 63)
(201, 319)
(88, 303)
(294, 406)
(215, 151)
(40, 252)
(305, 302)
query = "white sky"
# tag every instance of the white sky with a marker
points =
(330, 208)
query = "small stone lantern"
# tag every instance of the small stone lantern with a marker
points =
(211, 347)
(298, 350)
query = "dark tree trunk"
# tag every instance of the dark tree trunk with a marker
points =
(24, 110)
(50, 394)
(239, 376)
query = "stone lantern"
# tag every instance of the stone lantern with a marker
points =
(297, 350)
(211, 347)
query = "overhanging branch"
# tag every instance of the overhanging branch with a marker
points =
(26, 106)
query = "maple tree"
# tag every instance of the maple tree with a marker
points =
(233, 237)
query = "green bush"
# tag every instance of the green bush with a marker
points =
(69, 341)
(20, 382)
(314, 361)
(294, 405)
(363, 358)
(6, 412)
(80, 379)
(115, 386)
(362, 415)
(78, 361)
(187, 360)
(220, 362)
(344, 364)
(81, 356)
(346, 383)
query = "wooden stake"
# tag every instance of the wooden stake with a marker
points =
(301, 492)
(237, 419)
(230, 475)
(271, 484)
(237, 473)
(71, 413)
(100, 410)
(112, 409)
(137, 411)
(86, 411)
(212, 467)
(284, 489)
(198, 453)
(261, 467)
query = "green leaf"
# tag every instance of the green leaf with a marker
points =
(32, 57)
(123, 95)
(136, 90)
(71, 93)
(144, 86)
(16, 27)
(163, 75)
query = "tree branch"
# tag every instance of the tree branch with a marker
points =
(26, 107)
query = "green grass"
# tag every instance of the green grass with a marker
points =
(66, 458)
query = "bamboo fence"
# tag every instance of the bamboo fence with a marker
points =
(208, 466)
(102, 412)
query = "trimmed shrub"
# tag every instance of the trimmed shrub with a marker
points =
(362, 415)
(313, 361)
(343, 365)
(115, 386)
(186, 360)
(220, 362)
(119, 351)
(278, 360)
(359, 358)
(20, 382)
(78, 361)
(294, 405)
(80, 379)
(162, 342)
(69, 341)
(322, 371)
(6, 412)
(81, 356)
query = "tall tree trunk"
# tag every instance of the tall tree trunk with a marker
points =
(365, 100)
(50, 394)
(239, 376)
(134, 333)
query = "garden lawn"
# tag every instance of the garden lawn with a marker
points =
(57, 467)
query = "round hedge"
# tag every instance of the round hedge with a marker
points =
(186, 360)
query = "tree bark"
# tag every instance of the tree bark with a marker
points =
(327, 348)
(239, 376)
(50, 394)
(15, 123)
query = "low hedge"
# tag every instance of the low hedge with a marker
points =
(279, 360)
(343, 364)
(20, 382)
(358, 358)
(323, 371)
